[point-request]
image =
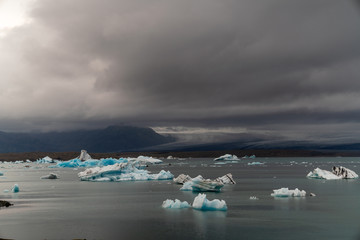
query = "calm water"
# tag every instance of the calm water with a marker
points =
(67, 208)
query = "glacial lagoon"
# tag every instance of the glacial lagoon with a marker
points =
(67, 208)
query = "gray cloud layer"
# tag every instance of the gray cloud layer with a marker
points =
(268, 65)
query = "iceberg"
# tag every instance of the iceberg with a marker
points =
(322, 174)
(255, 163)
(206, 185)
(15, 188)
(140, 162)
(177, 204)
(126, 171)
(46, 159)
(1, 174)
(202, 203)
(227, 157)
(84, 156)
(182, 178)
(226, 179)
(285, 192)
(344, 173)
(50, 176)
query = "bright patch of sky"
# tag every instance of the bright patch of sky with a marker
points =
(13, 13)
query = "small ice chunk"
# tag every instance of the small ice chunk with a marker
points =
(15, 188)
(6, 190)
(226, 157)
(1, 174)
(202, 203)
(253, 198)
(168, 203)
(255, 163)
(312, 195)
(285, 192)
(50, 176)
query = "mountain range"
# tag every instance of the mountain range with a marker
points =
(110, 139)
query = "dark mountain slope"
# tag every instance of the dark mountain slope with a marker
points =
(110, 139)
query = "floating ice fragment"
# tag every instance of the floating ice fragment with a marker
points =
(226, 179)
(182, 178)
(255, 163)
(15, 188)
(84, 156)
(312, 195)
(121, 172)
(226, 157)
(253, 198)
(285, 192)
(322, 174)
(344, 172)
(202, 203)
(175, 204)
(206, 185)
(1, 174)
(46, 159)
(6, 190)
(50, 176)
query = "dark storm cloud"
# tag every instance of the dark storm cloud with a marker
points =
(200, 63)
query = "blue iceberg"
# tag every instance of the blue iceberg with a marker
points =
(126, 171)
(177, 204)
(15, 188)
(202, 203)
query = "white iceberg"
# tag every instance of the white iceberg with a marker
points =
(187, 186)
(337, 173)
(286, 192)
(168, 203)
(84, 156)
(50, 176)
(227, 157)
(202, 203)
(255, 163)
(121, 172)
(182, 178)
(322, 174)
(206, 185)
(226, 179)
(344, 173)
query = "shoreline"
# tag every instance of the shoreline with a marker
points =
(181, 154)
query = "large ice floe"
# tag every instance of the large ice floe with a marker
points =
(126, 171)
(337, 173)
(227, 157)
(177, 204)
(286, 192)
(202, 203)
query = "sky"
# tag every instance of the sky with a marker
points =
(275, 67)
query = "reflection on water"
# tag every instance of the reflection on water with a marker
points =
(210, 224)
